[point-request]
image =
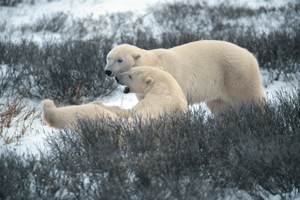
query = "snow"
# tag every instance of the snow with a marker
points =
(24, 13)
(19, 18)
(33, 138)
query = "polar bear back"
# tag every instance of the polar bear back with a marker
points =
(208, 70)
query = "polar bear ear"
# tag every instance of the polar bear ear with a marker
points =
(149, 81)
(137, 56)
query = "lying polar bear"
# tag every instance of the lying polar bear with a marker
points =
(66, 117)
(160, 90)
(219, 73)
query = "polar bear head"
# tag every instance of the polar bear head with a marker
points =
(121, 59)
(137, 80)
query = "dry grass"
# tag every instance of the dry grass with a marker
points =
(17, 115)
(16, 118)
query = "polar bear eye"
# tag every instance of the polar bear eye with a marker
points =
(120, 60)
(130, 77)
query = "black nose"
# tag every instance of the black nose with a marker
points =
(108, 72)
(117, 79)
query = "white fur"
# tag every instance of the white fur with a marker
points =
(220, 73)
(66, 117)
(161, 91)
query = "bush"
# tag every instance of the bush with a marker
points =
(72, 70)
(10, 2)
(53, 24)
(248, 153)
(16, 113)
(69, 69)
(65, 71)
(277, 51)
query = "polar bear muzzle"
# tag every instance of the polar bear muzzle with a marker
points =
(126, 89)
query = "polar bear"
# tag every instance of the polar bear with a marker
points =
(161, 92)
(219, 73)
(66, 117)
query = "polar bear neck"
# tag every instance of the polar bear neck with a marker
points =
(166, 90)
(148, 58)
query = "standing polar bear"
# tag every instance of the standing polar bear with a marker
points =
(219, 73)
(160, 90)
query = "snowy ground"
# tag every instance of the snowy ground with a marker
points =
(26, 13)
(18, 18)
(34, 136)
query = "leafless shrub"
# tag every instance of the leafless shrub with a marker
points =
(10, 2)
(16, 117)
(53, 23)
(251, 152)
(64, 71)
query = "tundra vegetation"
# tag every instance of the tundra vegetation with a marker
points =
(251, 153)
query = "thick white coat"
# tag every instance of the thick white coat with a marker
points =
(161, 92)
(219, 73)
(66, 117)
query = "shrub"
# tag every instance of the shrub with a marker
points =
(53, 23)
(69, 69)
(248, 153)
(72, 70)
(65, 71)
(16, 118)
(253, 150)
(10, 2)
(277, 51)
